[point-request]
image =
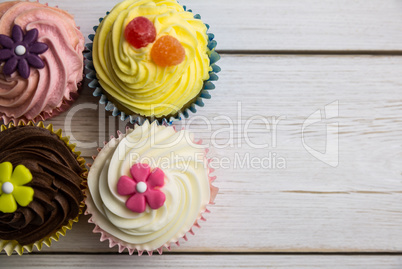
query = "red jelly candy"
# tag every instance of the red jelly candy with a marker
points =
(140, 32)
(167, 51)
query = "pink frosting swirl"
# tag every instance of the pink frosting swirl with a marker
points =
(46, 90)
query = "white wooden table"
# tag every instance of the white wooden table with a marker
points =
(282, 61)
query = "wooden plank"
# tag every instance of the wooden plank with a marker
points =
(282, 25)
(203, 261)
(308, 205)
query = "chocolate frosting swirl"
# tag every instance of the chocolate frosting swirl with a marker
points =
(56, 183)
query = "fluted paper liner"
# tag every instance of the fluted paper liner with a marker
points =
(9, 246)
(64, 106)
(113, 241)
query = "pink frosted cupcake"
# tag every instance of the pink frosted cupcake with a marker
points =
(41, 61)
(148, 188)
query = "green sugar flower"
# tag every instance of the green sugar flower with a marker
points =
(12, 190)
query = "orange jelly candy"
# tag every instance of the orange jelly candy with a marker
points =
(167, 51)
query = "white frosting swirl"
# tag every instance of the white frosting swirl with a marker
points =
(187, 187)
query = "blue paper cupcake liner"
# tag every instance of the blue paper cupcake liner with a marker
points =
(138, 119)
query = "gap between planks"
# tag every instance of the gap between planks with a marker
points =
(313, 52)
(308, 52)
(235, 253)
(199, 261)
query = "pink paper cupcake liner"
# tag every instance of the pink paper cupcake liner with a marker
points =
(65, 105)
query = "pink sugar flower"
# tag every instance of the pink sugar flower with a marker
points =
(143, 188)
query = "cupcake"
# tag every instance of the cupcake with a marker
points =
(41, 186)
(41, 61)
(148, 188)
(152, 60)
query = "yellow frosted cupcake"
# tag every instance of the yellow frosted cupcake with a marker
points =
(152, 59)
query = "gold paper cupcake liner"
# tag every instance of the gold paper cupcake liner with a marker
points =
(9, 246)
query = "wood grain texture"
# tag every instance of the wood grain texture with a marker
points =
(211, 262)
(297, 204)
(306, 206)
(339, 25)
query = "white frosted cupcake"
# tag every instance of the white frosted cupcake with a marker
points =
(148, 188)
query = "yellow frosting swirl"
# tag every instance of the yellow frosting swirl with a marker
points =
(130, 76)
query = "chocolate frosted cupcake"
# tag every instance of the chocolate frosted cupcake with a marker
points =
(41, 187)
(41, 61)
(151, 60)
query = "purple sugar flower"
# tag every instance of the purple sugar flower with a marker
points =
(21, 51)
